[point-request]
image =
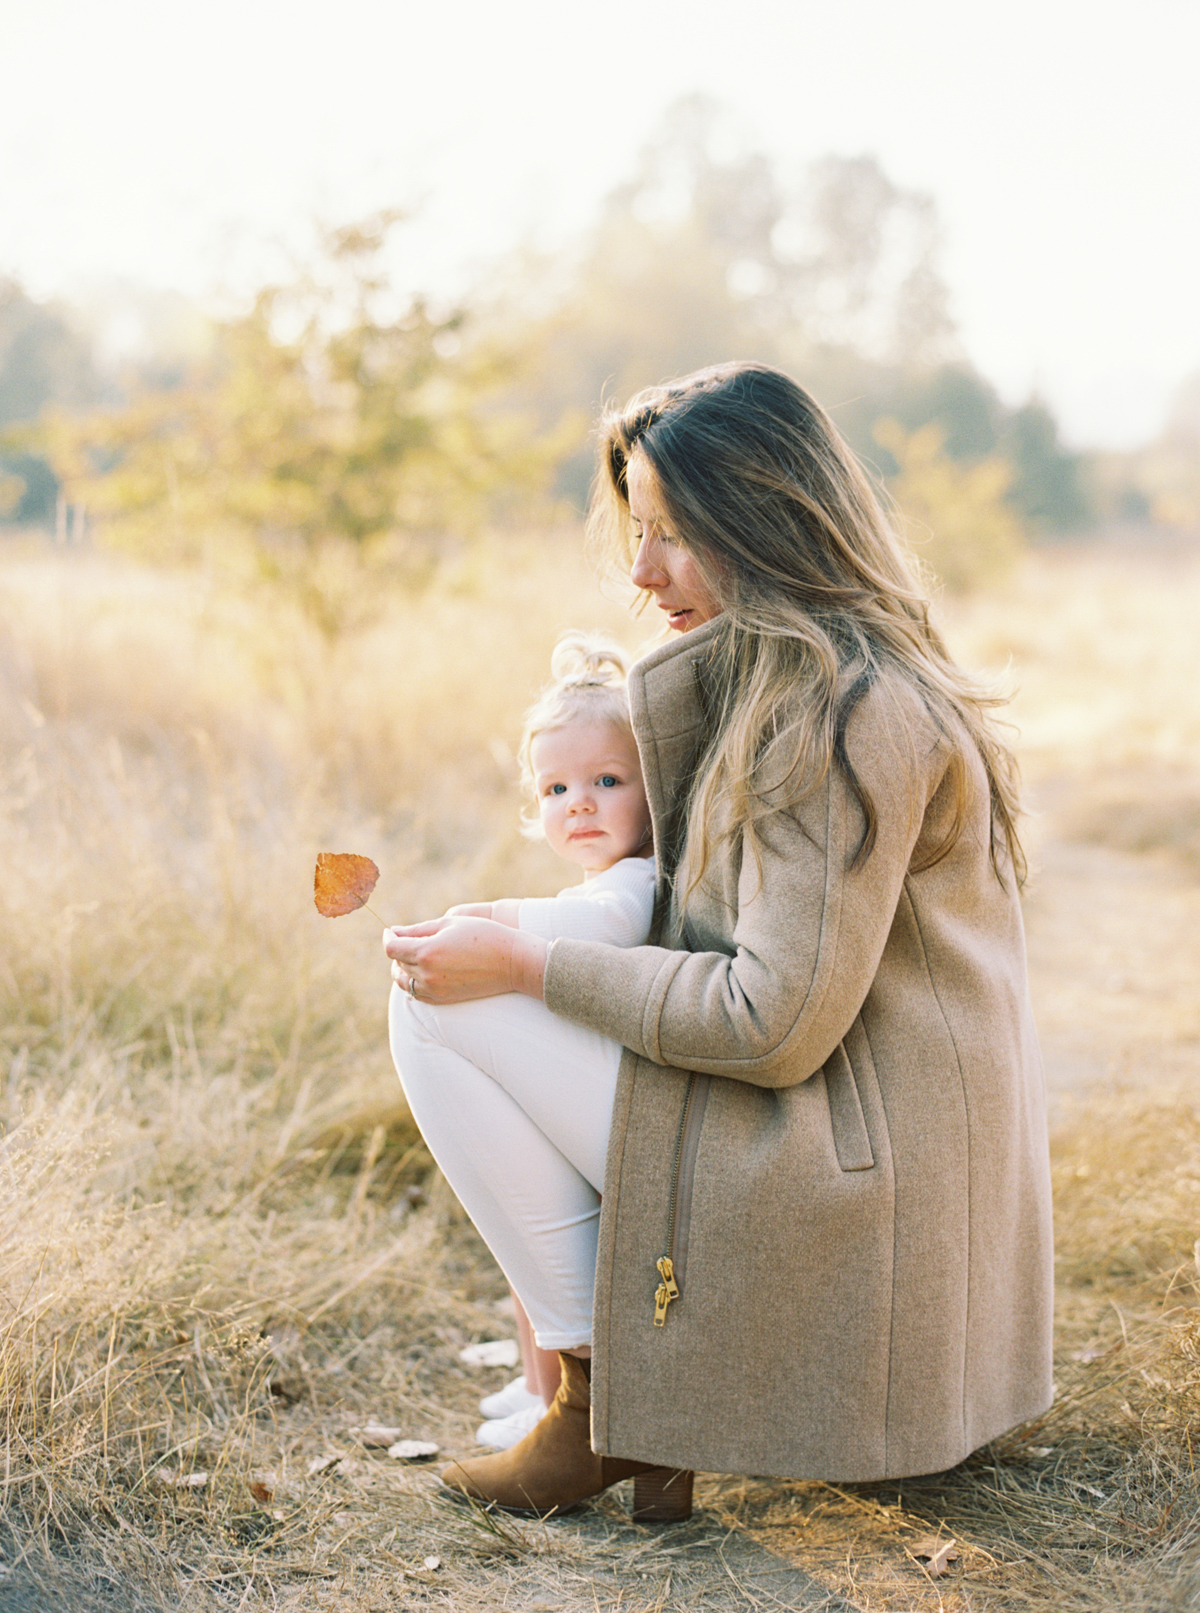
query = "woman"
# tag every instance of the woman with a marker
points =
(825, 1241)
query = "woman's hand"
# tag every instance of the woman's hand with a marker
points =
(468, 910)
(457, 958)
(507, 911)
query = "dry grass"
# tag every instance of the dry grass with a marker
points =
(221, 1244)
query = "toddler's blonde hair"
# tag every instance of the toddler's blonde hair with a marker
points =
(587, 684)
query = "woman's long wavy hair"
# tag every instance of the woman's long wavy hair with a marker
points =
(820, 597)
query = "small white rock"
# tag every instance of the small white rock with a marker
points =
(433, 1562)
(377, 1436)
(491, 1353)
(412, 1450)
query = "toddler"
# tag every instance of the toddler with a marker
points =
(510, 1059)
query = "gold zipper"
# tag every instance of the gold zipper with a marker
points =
(668, 1288)
(666, 1291)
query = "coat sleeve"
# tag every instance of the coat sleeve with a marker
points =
(807, 930)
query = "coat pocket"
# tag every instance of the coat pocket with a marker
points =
(850, 1137)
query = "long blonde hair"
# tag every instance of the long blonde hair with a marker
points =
(819, 597)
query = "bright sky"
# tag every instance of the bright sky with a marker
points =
(179, 145)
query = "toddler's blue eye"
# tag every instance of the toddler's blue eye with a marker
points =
(608, 780)
(558, 789)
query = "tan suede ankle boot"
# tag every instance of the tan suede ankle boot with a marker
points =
(554, 1467)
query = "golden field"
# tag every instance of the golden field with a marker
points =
(223, 1244)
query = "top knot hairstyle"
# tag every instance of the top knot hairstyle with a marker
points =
(587, 684)
(819, 595)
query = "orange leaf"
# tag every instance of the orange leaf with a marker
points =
(261, 1491)
(342, 882)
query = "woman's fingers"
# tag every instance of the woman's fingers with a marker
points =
(426, 927)
(401, 941)
(401, 945)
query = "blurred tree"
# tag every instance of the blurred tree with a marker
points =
(1166, 475)
(860, 392)
(956, 516)
(142, 336)
(328, 417)
(43, 360)
(666, 282)
(334, 426)
(705, 254)
(1047, 489)
(965, 408)
(1046, 485)
(28, 487)
(855, 262)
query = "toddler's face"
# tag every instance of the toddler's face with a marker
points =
(590, 794)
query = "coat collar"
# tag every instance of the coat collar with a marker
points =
(679, 647)
(667, 703)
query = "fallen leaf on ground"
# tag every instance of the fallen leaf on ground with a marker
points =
(376, 1436)
(937, 1555)
(342, 882)
(412, 1450)
(260, 1491)
(491, 1353)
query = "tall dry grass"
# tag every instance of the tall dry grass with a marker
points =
(204, 1146)
(216, 1249)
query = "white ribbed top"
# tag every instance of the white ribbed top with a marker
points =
(615, 906)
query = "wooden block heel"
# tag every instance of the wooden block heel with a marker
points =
(662, 1495)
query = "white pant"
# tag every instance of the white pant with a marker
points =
(515, 1104)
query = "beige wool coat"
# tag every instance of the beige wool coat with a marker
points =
(830, 1122)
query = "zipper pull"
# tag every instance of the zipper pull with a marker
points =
(666, 1291)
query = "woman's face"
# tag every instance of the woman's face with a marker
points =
(662, 565)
